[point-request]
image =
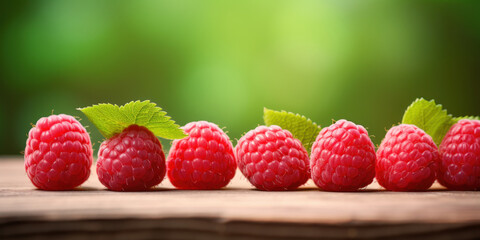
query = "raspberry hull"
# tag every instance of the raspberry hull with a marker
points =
(203, 160)
(58, 155)
(271, 159)
(407, 159)
(343, 157)
(460, 156)
(131, 161)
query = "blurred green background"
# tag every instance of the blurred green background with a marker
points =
(223, 61)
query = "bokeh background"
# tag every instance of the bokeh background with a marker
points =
(223, 61)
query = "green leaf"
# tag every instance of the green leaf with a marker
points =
(430, 117)
(467, 117)
(301, 128)
(111, 119)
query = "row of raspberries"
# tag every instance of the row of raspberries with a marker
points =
(58, 156)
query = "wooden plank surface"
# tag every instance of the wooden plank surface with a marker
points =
(236, 212)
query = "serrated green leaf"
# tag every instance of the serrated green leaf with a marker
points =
(111, 119)
(430, 117)
(301, 128)
(466, 117)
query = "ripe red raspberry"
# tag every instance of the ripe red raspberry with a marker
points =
(407, 159)
(343, 157)
(271, 159)
(203, 160)
(58, 155)
(132, 160)
(460, 156)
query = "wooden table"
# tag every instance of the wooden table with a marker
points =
(236, 212)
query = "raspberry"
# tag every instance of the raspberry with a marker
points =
(58, 155)
(203, 160)
(132, 160)
(407, 159)
(343, 157)
(271, 159)
(460, 156)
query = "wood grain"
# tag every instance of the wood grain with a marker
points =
(236, 212)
